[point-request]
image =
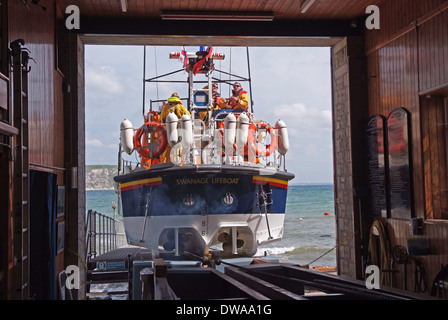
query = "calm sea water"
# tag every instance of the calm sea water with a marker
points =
(308, 234)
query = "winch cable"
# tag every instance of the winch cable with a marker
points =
(328, 251)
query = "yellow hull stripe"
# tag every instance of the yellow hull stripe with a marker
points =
(139, 183)
(272, 181)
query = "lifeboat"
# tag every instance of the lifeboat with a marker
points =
(203, 187)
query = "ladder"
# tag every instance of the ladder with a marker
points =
(21, 272)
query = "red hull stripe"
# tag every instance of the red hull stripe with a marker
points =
(274, 182)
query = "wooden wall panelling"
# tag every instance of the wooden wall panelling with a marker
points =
(46, 109)
(58, 141)
(395, 84)
(406, 60)
(435, 162)
(284, 9)
(413, 100)
(427, 159)
(433, 38)
(444, 45)
(36, 27)
(442, 160)
(433, 154)
(373, 77)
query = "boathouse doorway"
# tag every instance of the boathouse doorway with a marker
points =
(287, 94)
(345, 99)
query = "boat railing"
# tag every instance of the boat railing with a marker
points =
(103, 234)
(208, 148)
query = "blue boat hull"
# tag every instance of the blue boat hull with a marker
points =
(211, 204)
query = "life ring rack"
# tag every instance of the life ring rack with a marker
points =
(252, 139)
(155, 148)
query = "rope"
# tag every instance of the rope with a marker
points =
(336, 246)
(379, 250)
(79, 257)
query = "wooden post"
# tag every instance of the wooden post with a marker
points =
(147, 278)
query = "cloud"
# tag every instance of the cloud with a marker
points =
(303, 121)
(103, 80)
(93, 143)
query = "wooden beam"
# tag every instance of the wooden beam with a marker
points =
(141, 27)
(154, 40)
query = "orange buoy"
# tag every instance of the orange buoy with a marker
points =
(326, 214)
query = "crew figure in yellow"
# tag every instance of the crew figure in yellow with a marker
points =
(239, 99)
(174, 105)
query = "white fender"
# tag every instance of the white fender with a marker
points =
(283, 139)
(229, 130)
(186, 132)
(242, 130)
(171, 128)
(127, 136)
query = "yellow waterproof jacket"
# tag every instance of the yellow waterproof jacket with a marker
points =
(174, 105)
(220, 102)
(242, 103)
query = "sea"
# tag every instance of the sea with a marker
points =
(309, 228)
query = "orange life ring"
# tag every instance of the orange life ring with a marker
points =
(252, 139)
(160, 141)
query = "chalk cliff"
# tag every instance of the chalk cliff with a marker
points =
(100, 177)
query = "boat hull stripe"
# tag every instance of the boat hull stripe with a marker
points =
(139, 183)
(272, 181)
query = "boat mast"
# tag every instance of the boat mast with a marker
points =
(250, 81)
(144, 77)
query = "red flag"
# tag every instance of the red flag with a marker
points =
(198, 65)
(183, 57)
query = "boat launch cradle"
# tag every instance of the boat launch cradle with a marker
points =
(229, 279)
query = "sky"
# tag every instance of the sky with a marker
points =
(288, 83)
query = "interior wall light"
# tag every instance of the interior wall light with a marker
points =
(306, 5)
(124, 5)
(217, 16)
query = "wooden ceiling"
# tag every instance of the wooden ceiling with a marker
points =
(282, 9)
